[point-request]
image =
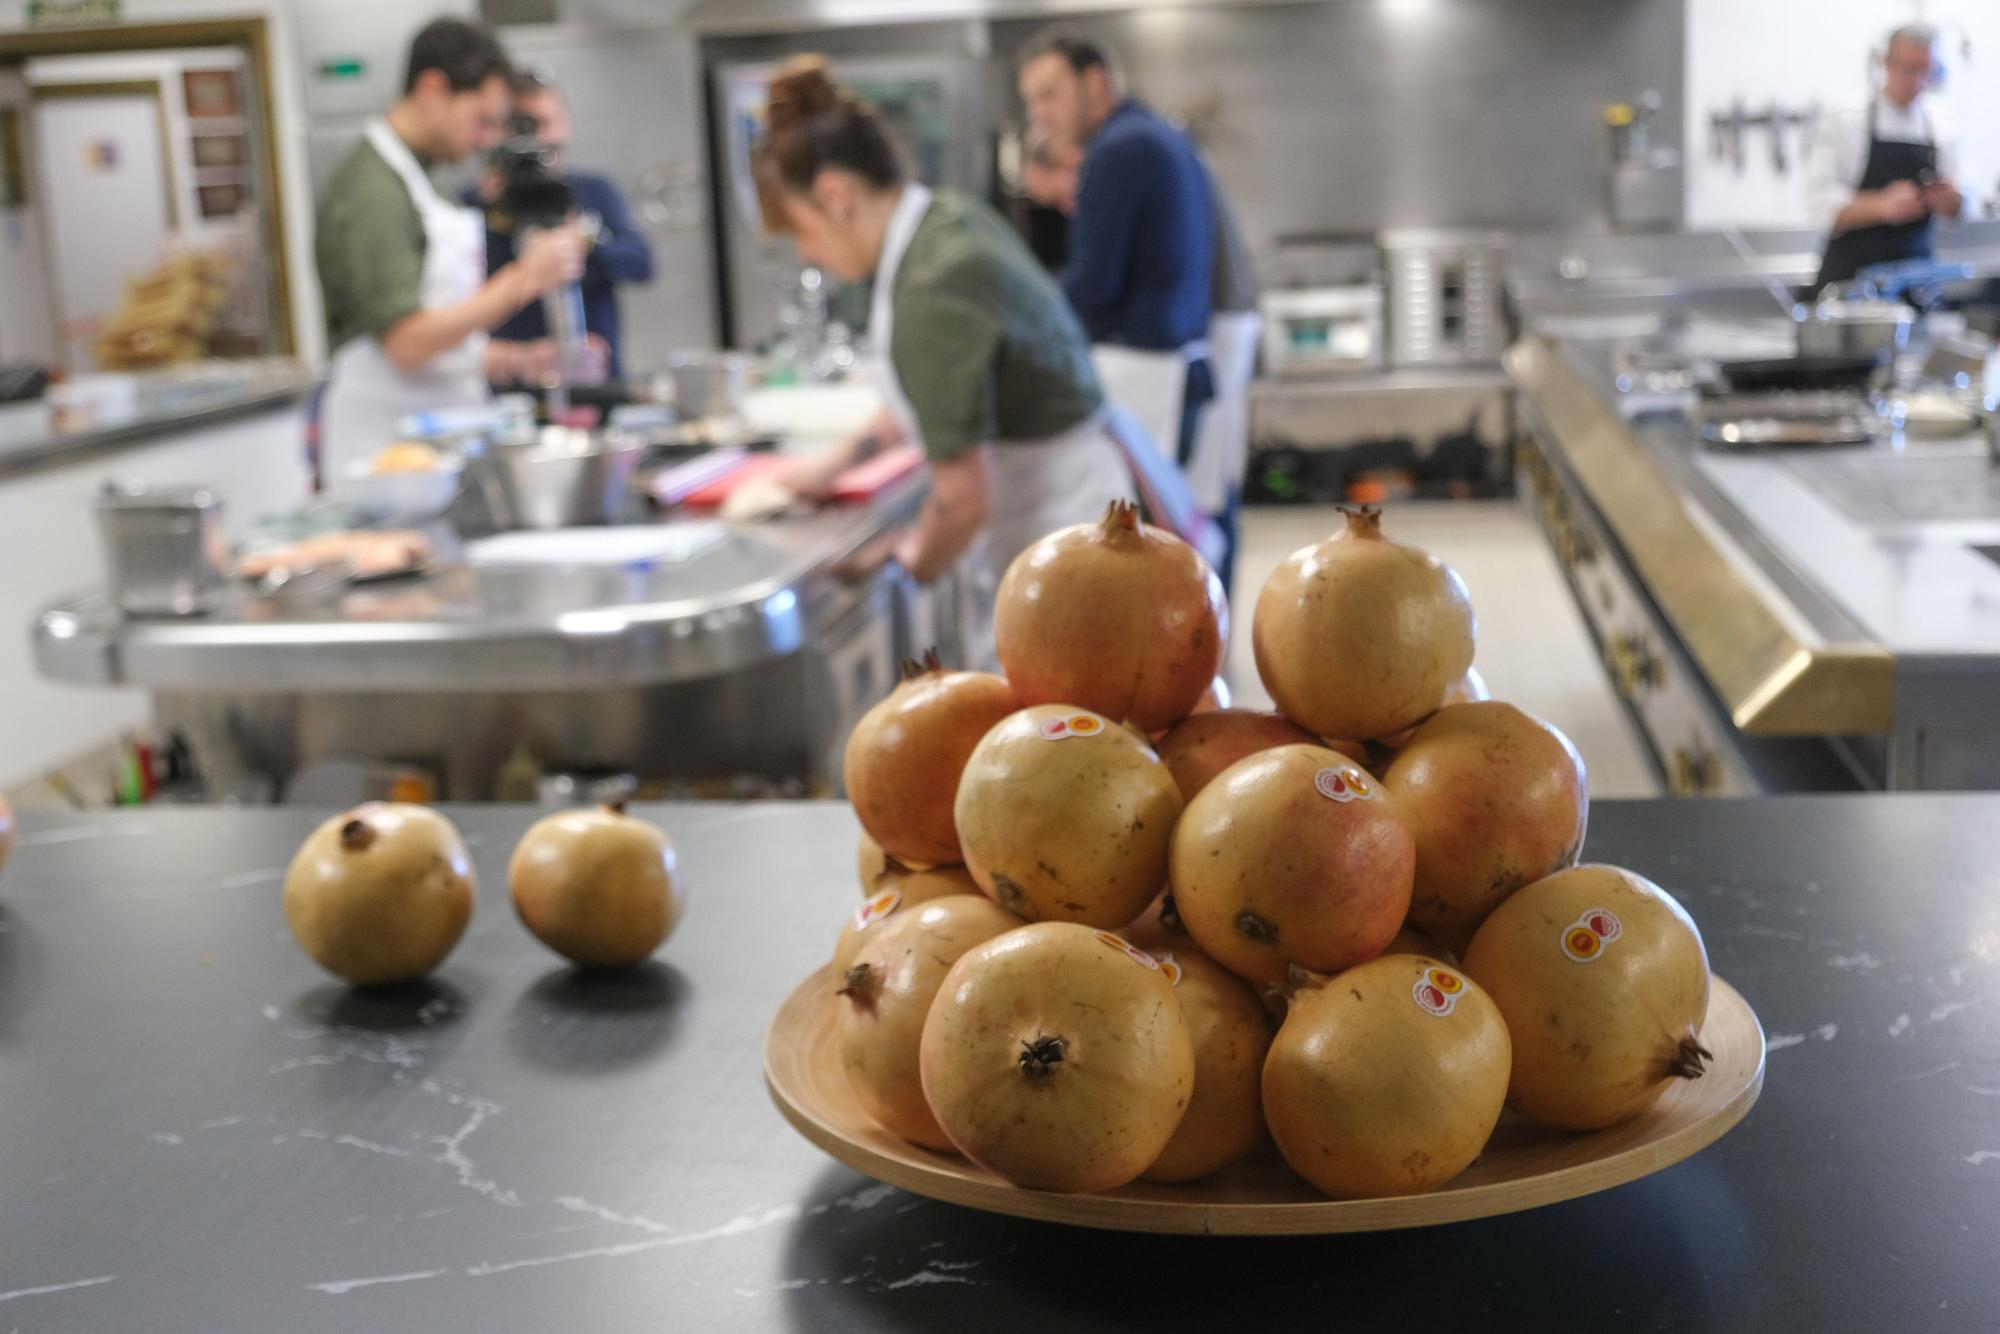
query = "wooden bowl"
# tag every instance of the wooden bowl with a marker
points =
(1524, 1166)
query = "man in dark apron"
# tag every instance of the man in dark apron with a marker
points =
(1900, 188)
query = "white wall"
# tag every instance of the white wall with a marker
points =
(286, 76)
(1797, 52)
(257, 464)
(164, 68)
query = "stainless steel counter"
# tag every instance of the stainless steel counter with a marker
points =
(749, 656)
(1757, 609)
(171, 403)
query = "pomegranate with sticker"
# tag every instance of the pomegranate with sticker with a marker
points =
(1057, 1056)
(1359, 636)
(1294, 856)
(905, 756)
(889, 888)
(1496, 799)
(1117, 617)
(885, 992)
(1207, 743)
(1066, 816)
(1603, 980)
(1388, 1078)
(1230, 1032)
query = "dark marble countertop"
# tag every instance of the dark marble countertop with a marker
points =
(199, 1131)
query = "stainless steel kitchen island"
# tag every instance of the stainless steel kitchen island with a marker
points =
(1821, 617)
(732, 650)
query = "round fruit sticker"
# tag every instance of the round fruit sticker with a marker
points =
(1344, 783)
(1077, 724)
(1437, 991)
(1131, 951)
(1170, 968)
(1585, 938)
(875, 907)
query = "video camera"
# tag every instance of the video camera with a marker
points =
(532, 192)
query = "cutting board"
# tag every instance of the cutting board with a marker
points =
(863, 482)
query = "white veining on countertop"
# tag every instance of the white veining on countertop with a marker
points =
(1780, 1041)
(221, 1122)
(48, 1288)
(356, 1142)
(46, 836)
(1900, 1027)
(453, 1145)
(1981, 1156)
(165, 1137)
(350, 1284)
(779, 1213)
(1862, 960)
(1927, 1074)
(582, 1206)
(245, 879)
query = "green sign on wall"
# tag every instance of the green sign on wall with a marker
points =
(73, 13)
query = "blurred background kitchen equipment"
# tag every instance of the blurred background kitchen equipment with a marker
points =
(1447, 293)
(163, 547)
(559, 477)
(699, 385)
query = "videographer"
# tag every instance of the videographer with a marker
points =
(619, 252)
(409, 299)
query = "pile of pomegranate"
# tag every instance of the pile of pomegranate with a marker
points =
(1111, 932)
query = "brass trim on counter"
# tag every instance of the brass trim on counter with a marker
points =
(1755, 655)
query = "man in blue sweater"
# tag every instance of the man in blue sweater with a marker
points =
(1141, 244)
(620, 254)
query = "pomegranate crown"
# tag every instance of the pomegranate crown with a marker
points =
(914, 667)
(1121, 516)
(1363, 520)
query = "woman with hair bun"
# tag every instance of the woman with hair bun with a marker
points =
(978, 357)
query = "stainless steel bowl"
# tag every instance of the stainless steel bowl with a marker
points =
(1844, 328)
(163, 547)
(560, 479)
(703, 384)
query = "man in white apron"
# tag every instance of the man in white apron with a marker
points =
(402, 268)
(1141, 243)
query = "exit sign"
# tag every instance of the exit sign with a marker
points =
(73, 13)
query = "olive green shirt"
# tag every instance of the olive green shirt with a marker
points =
(986, 348)
(369, 248)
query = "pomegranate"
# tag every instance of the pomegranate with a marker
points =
(598, 887)
(1496, 799)
(885, 992)
(1057, 1057)
(6, 831)
(1467, 689)
(1388, 1079)
(1604, 983)
(905, 755)
(1227, 1024)
(1064, 815)
(1357, 636)
(896, 889)
(380, 893)
(1292, 856)
(1207, 743)
(1115, 617)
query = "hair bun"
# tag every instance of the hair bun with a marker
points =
(802, 88)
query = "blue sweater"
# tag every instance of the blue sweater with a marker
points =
(1142, 244)
(622, 255)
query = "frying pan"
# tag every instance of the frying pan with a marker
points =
(1769, 373)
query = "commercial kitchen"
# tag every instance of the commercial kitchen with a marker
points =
(481, 406)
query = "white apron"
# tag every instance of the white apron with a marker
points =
(365, 394)
(1037, 486)
(1222, 433)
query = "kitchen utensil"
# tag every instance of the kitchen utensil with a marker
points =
(1802, 372)
(163, 547)
(1523, 1167)
(703, 384)
(561, 478)
(403, 497)
(1853, 326)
